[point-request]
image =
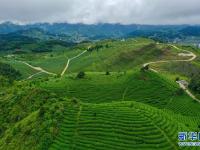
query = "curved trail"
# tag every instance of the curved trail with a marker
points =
(69, 60)
(187, 91)
(41, 70)
(37, 68)
(187, 54)
(31, 76)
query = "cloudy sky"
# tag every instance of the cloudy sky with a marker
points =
(101, 11)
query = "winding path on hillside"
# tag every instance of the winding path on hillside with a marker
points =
(31, 76)
(186, 54)
(69, 60)
(41, 70)
(36, 68)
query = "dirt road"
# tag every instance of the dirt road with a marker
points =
(185, 54)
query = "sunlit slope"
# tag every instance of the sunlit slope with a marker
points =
(123, 55)
(117, 125)
(113, 55)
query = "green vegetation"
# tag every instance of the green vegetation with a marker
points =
(81, 75)
(105, 55)
(195, 84)
(20, 44)
(117, 125)
(106, 100)
(29, 117)
(7, 71)
(145, 68)
(145, 87)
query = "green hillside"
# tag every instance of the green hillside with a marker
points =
(117, 103)
(145, 87)
(117, 125)
(105, 55)
(29, 117)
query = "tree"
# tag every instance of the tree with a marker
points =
(195, 84)
(177, 79)
(81, 75)
(9, 72)
(107, 73)
(145, 68)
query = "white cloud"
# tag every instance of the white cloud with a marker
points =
(101, 11)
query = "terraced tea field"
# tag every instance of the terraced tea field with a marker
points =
(149, 88)
(117, 125)
(115, 104)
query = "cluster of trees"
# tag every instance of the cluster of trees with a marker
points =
(195, 84)
(15, 41)
(11, 42)
(32, 113)
(42, 48)
(97, 47)
(47, 46)
(82, 74)
(8, 72)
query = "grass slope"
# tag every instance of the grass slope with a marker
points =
(111, 56)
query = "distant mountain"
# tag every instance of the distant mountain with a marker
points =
(32, 39)
(77, 31)
(81, 32)
(191, 31)
(8, 27)
(39, 34)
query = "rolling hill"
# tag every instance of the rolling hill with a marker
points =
(116, 104)
(117, 55)
(117, 125)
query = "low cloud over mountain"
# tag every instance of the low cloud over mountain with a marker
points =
(98, 11)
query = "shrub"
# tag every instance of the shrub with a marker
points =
(4, 81)
(177, 79)
(195, 84)
(145, 68)
(74, 101)
(42, 112)
(180, 91)
(199, 126)
(107, 73)
(9, 72)
(81, 75)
